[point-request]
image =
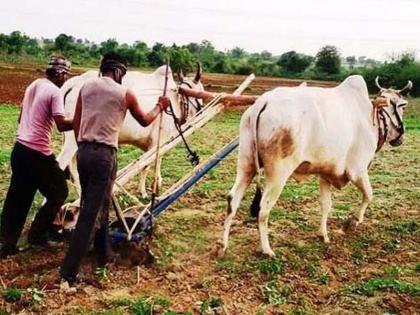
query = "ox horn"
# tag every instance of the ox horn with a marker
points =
(198, 73)
(377, 83)
(406, 88)
(181, 75)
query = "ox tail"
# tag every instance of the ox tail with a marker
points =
(255, 205)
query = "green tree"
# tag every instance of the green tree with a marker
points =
(294, 63)
(16, 42)
(108, 46)
(328, 60)
(64, 43)
(140, 53)
(156, 55)
(180, 59)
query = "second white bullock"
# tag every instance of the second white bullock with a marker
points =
(329, 132)
(147, 87)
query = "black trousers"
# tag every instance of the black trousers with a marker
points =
(97, 166)
(31, 171)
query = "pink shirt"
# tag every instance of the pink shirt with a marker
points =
(42, 101)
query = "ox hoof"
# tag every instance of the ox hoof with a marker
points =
(323, 237)
(269, 253)
(350, 224)
(219, 251)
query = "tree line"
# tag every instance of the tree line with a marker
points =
(327, 64)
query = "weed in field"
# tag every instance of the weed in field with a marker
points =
(394, 270)
(384, 284)
(269, 266)
(275, 294)
(358, 257)
(142, 306)
(210, 306)
(101, 273)
(405, 227)
(391, 246)
(229, 265)
(13, 294)
(312, 269)
(36, 295)
(417, 268)
(324, 278)
(300, 311)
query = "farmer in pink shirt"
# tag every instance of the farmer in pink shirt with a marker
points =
(33, 163)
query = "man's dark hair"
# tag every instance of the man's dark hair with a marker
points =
(112, 61)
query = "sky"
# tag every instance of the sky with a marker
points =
(377, 29)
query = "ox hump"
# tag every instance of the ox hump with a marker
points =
(162, 70)
(354, 82)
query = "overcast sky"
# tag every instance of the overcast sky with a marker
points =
(374, 28)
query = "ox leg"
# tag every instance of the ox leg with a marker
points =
(363, 183)
(325, 200)
(243, 179)
(75, 175)
(142, 182)
(275, 180)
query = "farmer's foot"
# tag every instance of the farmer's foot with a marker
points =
(8, 250)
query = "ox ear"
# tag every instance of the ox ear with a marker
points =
(197, 77)
(406, 88)
(379, 102)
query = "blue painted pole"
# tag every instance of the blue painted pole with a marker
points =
(165, 203)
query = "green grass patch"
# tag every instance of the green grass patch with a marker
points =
(13, 294)
(275, 294)
(384, 284)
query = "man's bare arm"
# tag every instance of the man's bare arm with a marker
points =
(206, 96)
(227, 99)
(63, 123)
(143, 118)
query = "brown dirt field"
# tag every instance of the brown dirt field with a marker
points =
(15, 78)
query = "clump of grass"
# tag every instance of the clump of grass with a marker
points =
(358, 257)
(324, 278)
(210, 306)
(394, 270)
(312, 269)
(36, 295)
(142, 306)
(275, 294)
(300, 311)
(384, 284)
(405, 227)
(392, 246)
(101, 273)
(13, 294)
(270, 266)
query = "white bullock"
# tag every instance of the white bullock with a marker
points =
(330, 132)
(147, 87)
